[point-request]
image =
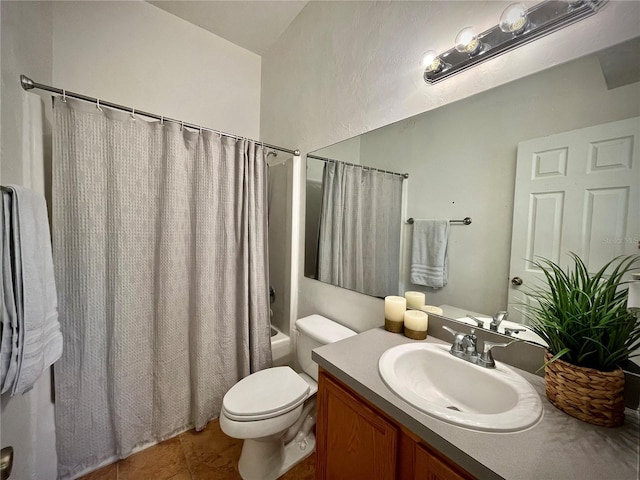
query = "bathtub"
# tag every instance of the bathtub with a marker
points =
(280, 347)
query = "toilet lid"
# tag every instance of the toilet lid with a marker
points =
(265, 394)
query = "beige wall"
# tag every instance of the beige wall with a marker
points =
(345, 68)
(137, 55)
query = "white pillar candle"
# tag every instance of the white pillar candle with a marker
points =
(416, 320)
(414, 299)
(394, 308)
(431, 309)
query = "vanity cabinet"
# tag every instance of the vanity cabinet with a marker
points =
(354, 440)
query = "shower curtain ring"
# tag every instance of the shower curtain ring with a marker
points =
(98, 104)
(64, 95)
(133, 113)
(162, 120)
(181, 125)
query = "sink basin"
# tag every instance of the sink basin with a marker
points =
(528, 334)
(428, 377)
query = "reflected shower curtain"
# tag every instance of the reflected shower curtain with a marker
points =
(160, 251)
(359, 244)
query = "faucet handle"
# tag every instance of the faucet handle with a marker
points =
(477, 320)
(458, 337)
(486, 359)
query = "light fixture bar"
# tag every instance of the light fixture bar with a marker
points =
(544, 18)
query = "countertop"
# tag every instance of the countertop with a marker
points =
(559, 447)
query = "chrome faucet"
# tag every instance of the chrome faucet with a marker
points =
(498, 319)
(465, 347)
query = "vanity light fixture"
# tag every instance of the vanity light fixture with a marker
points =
(517, 26)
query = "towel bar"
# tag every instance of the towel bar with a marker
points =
(465, 221)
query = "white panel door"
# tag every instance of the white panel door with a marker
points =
(576, 191)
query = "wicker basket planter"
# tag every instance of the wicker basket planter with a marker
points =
(588, 394)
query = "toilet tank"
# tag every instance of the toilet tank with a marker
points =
(312, 332)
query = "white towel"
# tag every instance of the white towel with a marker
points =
(9, 325)
(40, 339)
(429, 260)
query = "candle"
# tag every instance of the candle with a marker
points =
(416, 323)
(414, 299)
(394, 308)
(431, 309)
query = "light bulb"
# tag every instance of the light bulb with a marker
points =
(514, 19)
(467, 41)
(431, 62)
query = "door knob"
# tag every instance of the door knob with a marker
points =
(6, 462)
(516, 281)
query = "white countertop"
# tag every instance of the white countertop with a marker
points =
(559, 447)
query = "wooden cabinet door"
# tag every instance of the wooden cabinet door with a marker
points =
(429, 467)
(353, 441)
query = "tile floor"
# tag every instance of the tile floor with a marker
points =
(206, 455)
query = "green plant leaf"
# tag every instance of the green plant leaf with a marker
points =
(582, 316)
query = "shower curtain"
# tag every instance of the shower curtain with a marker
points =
(160, 251)
(359, 240)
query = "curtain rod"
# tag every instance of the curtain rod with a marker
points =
(28, 84)
(326, 159)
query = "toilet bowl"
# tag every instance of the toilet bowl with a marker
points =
(273, 410)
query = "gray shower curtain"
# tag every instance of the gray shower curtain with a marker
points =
(359, 239)
(160, 251)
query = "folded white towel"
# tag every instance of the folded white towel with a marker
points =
(40, 339)
(9, 337)
(429, 260)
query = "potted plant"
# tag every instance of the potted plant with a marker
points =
(583, 318)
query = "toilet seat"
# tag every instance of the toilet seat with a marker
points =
(265, 394)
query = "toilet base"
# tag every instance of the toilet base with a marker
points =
(267, 459)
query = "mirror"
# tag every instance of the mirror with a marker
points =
(461, 161)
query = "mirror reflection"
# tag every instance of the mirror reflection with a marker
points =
(463, 159)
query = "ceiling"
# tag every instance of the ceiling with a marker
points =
(254, 25)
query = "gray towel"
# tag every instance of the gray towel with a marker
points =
(40, 339)
(429, 261)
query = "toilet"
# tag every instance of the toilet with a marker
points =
(273, 410)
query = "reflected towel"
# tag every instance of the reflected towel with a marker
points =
(40, 341)
(429, 260)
